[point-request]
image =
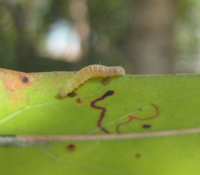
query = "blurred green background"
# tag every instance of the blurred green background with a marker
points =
(143, 36)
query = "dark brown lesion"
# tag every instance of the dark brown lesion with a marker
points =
(146, 126)
(72, 94)
(103, 110)
(138, 155)
(79, 101)
(71, 147)
(131, 118)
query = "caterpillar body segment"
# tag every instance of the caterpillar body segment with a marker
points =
(88, 72)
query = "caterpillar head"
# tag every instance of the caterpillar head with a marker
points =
(68, 88)
(120, 70)
(63, 93)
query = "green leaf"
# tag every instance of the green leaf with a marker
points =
(115, 125)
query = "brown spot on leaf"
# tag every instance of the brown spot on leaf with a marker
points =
(105, 81)
(72, 94)
(71, 147)
(138, 155)
(79, 101)
(14, 80)
(14, 84)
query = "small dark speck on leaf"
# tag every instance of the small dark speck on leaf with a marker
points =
(25, 79)
(71, 147)
(79, 101)
(138, 155)
(146, 126)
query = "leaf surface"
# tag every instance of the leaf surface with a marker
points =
(100, 120)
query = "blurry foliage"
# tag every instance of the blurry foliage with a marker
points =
(109, 21)
(23, 23)
(109, 18)
(7, 39)
(187, 30)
